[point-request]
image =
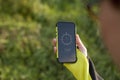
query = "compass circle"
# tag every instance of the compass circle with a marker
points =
(66, 39)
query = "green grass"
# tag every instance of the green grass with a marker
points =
(26, 32)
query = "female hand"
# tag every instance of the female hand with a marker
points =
(79, 45)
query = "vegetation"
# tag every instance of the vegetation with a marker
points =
(26, 30)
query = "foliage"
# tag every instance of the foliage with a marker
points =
(26, 30)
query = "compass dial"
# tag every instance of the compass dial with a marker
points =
(66, 39)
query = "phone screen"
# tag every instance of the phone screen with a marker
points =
(66, 42)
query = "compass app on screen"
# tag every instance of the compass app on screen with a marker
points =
(66, 42)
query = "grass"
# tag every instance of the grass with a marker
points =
(26, 51)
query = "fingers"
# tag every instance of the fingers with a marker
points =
(55, 49)
(80, 45)
(78, 41)
(54, 42)
(54, 45)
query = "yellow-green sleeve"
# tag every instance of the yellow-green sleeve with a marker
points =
(80, 69)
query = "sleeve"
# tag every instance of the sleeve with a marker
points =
(83, 69)
(79, 69)
(94, 75)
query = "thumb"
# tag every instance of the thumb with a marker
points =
(80, 45)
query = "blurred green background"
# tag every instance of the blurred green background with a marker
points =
(26, 31)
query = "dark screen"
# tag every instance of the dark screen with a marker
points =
(66, 42)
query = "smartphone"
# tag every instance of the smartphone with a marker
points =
(66, 42)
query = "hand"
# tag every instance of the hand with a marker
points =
(80, 69)
(79, 44)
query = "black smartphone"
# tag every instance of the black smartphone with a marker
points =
(66, 45)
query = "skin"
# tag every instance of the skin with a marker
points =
(109, 19)
(79, 43)
(110, 29)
